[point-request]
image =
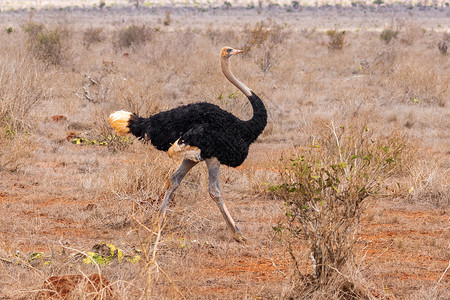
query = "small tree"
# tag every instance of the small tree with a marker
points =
(265, 42)
(388, 34)
(337, 39)
(325, 186)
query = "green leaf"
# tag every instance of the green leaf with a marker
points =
(335, 188)
(368, 157)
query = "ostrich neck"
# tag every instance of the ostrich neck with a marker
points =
(226, 71)
(256, 125)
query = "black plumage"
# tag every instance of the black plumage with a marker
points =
(216, 132)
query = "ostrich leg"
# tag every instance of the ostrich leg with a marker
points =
(215, 193)
(174, 183)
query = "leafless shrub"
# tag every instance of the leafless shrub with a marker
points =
(15, 150)
(443, 44)
(49, 45)
(264, 42)
(337, 39)
(324, 189)
(167, 19)
(26, 82)
(68, 286)
(220, 36)
(150, 237)
(132, 36)
(410, 33)
(104, 134)
(414, 82)
(92, 36)
(141, 178)
(426, 183)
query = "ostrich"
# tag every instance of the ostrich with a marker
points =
(200, 132)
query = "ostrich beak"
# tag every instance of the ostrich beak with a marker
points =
(235, 51)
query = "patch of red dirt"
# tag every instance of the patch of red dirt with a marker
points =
(64, 287)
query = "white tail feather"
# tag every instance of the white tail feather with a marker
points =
(119, 121)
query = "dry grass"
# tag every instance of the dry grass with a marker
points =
(64, 198)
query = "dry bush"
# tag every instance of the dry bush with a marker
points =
(443, 44)
(410, 33)
(23, 84)
(324, 189)
(93, 287)
(49, 45)
(413, 81)
(265, 42)
(141, 178)
(167, 19)
(22, 89)
(427, 183)
(220, 37)
(93, 36)
(15, 149)
(388, 34)
(132, 36)
(337, 39)
(352, 285)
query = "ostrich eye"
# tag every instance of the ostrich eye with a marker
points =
(229, 50)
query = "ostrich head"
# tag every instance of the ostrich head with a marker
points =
(228, 51)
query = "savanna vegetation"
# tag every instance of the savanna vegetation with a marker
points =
(345, 195)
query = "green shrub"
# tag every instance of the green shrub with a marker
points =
(324, 188)
(46, 44)
(388, 34)
(337, 39)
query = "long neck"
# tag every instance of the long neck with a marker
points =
(258, 122)
(226, 71)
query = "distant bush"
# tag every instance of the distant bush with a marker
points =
(15, 149)
(411, 33)
(264, 41)
(337, 39)
(132, 36)
(46, 44)
(26, 82)
(34, 29)
(324, 188)
(221, 36)
(442, 46)
(255, 36)
(388, 34)
(167, 19)
(92, 36)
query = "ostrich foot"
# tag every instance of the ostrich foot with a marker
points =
(239, 237)
(189, 152)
